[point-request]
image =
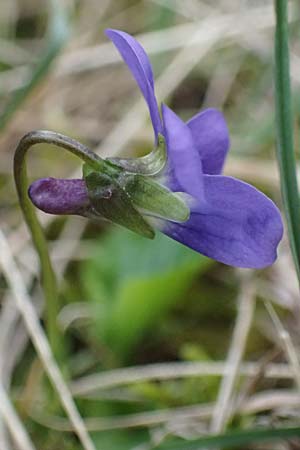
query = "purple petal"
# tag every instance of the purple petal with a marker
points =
(211, 137)
(184, 163)
(57, 196)
(238, 225)
(137, 60)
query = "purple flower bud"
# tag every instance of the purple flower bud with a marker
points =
(59, 196)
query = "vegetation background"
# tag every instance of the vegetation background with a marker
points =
(210, 348)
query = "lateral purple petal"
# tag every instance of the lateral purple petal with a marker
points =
(184, 171)
(138, 62)
(211, 137)
(238, 225)
(59, 196)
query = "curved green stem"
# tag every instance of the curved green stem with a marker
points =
(285, 145)
(20, 174)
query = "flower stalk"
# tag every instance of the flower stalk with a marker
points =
(48, 278)
(285, 141)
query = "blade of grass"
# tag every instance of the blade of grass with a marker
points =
(169, 418)
(58, 31)
(91, 384)
(287, 343)
(233, 439)
(285, 142)
(40, 341)
(13, 423)
(225, 403)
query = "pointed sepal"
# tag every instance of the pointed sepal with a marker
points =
(155, 199)
(150, 164)
(109, 199)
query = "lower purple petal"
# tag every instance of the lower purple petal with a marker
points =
(237, 225)
(59, 196)
(211, 137)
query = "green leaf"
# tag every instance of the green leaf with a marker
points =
(156, 199)
(134, 282)
(112, 202)
(232, 439)
(120, 439)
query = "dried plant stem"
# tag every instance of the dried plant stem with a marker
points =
(13, 335)
(13, 423)
(57, 34)
(223, 407)
(174, 38)
(287, 343)
(40, 342)
(184, 415)
(90, 384)
(4, 444)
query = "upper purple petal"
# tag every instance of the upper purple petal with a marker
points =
(237, 225)
(58, 196)
(138, 62)
(184, 171)
(211, 137)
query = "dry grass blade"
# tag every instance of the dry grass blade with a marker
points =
(13, 423)
(246, 306)
(174, 38)
(23, 303)
(287, 343)
(262, 402)
(90, 384)
(4, 436)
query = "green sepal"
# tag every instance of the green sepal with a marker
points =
(155, 198)
(86, 170)
(110, 200)
(108, 168)
(150, 164)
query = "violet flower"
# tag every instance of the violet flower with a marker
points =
(230, 221)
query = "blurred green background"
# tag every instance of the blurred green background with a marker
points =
(127, 301)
